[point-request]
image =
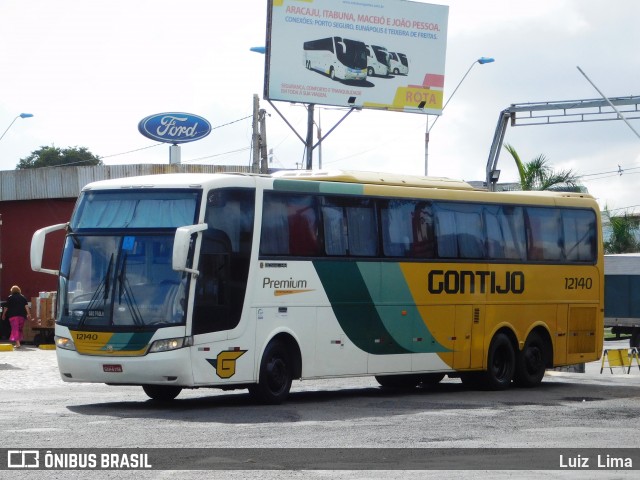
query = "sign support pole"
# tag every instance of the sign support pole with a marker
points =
(174, 154)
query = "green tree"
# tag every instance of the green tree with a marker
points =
(56, 157)
(622, 237)
(538, 175)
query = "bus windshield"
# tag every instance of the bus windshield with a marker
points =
(135, 209)
(381, 54)
(120, 280)
(116, 263)
(352, 53)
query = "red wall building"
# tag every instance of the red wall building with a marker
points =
(19, 220)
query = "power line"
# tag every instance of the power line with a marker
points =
(217, 154)
(132, 151)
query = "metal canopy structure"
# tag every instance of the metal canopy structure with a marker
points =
(550, 113)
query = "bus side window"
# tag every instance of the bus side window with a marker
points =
(349, 227)
(545, 240)
(362, 229)
(396, 216)
(290, 225)
(424, 242)
(303, 226)
(504, 232)
(471, 241)
(335, 230)
(579, 231)
(274, 239)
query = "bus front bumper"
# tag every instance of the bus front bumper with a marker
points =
(161, 368)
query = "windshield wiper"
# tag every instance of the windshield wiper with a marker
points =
(125, 288)
(103, 288)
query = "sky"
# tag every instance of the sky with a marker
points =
(90, 71)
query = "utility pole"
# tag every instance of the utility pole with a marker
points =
(262, 137)
(255, 164)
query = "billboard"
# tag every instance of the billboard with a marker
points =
(383, 54)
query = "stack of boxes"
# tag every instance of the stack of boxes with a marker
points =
(43, 310)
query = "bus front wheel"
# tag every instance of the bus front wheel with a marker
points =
(276, 375)
(501, 363)
(531, 364)
(161, 393)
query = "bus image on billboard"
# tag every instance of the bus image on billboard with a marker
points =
(337, 57)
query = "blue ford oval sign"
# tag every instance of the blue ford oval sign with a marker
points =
(174, 127)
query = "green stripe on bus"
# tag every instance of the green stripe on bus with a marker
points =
(130, 342)
(354, 308)
(305, 186)
(396, 307)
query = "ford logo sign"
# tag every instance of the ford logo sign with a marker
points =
(174, 127)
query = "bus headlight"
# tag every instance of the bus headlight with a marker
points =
(64, 343)
(170, 344)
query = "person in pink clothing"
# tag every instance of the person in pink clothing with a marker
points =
(17, 310)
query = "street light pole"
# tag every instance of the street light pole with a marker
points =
(22, 115)
(481, 61)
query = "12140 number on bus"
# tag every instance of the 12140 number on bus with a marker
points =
(578, 283)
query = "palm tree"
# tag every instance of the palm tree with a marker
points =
(538, 175)
(622, 238)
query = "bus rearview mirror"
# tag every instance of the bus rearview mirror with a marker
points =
(181, 243)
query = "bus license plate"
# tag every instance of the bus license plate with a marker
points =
(112, 368)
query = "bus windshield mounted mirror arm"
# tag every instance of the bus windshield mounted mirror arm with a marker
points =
(37, 247)
(181, 244)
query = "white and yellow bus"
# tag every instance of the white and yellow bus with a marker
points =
(246, 281)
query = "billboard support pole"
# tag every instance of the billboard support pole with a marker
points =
(286, 121)
(334, 127)
(309, 146)
(309, 142)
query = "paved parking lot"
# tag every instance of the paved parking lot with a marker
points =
(32, 367)
(569, 410)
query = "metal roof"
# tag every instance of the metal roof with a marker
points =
(67, 182)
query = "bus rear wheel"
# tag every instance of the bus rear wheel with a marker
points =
(531, 363)
(276, 375)
(501, 363)
(161, 393)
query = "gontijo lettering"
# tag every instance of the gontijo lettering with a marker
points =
(482, 281)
